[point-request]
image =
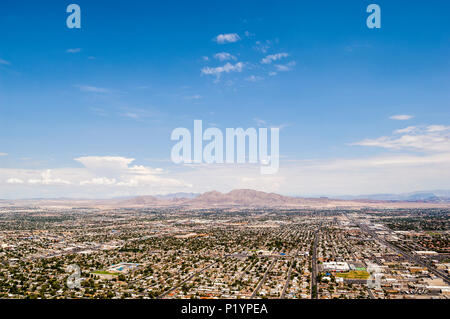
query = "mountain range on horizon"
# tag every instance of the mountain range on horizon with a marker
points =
(248, 198)
(432, 196)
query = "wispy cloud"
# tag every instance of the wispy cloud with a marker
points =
(254, 78)
(274, 57)
(99, 111)
(259, 122)
(4, 62)
(223, 56)
(227, 38)
(429, 138)
(131, 115)
(281, 126)
(135, 113)
(74, 50)
(193, 97)
(355, 46)
(408, 129)
(401, 117)
(262, 47)
(92, 89)
(3, 154)
(263, 123)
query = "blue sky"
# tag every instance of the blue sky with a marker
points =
(115, 89)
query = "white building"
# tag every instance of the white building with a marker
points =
(336, 266)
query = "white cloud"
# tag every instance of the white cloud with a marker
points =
(401, 117)
(48, 179)
(223, 56)
(75, 50)
(3, 154)
(13, 180)
(4, 62)
(274, 57)
(431, 138)
(105, 162)
(99, 176)
(226, 68)
(227, 38)
(285, 67)
(116, 170)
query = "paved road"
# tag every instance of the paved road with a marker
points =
(255, 292)
(286, 285)
(288, 279)
(314, 264)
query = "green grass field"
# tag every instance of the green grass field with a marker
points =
(354, 274)
(102, 272)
